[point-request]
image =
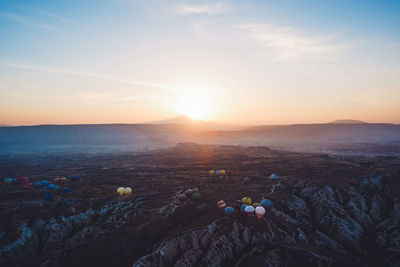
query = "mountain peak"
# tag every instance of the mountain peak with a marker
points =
(347, 122)
(181, 119)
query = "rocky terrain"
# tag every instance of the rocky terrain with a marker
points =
(327, 210)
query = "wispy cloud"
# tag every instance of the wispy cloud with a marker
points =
(27, 21)
(283, 43)
(209, 9)
(89, 75)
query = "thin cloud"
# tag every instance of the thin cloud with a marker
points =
(89, 75)
(209, 9)
(27, 21)
(282, 43)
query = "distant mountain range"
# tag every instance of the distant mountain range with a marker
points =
(347, 122)
(137, 137)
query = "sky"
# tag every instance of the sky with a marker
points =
(241, 62)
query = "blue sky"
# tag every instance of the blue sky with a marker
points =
(235, 61)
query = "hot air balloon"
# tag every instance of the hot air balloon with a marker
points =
(249, 210)
(229, 211)
(222, 172)
(246, 200)
(37, 184)
(266, 203)
(48, 196)
(243, 208)
(238, 204)
(274, 176)
(217, 172)
(23, 179)
(69, 202)
(260, 211)
(195, 190)
(44, 182)
(211, 172)
(27, 185)
(246, 180)
(256, 204)
(189, 192)
(7, 180)
(221, 204)
(196, 196)
(74, 178)
(127, 191)
(66, 190)
(121, 191)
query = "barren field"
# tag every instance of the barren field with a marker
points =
(326, 210)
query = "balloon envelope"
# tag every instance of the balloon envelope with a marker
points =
(37, 184)
(66, 190)
(218, 172)
(8, 180)
(69, 202)
(246, 180)
(221, 204)
(27, 185)
(127, 191)
(48, 196)
(211, 172)
(44, 182)
(223, 172)
(274, 176)
(249, 210)
(266, 203)
(229, 211)
(238, 204)
(243, 208)
(246, 200)
(189, 192)
(196, 196)
(121, 191)
(260, 211)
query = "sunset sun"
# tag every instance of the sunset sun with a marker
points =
(194, 106)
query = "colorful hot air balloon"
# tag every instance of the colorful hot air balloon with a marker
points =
(23, 179)
(274, 176)
(44, 182)
(121, 191)
(217, 172)
(222, 172)
(211, 172)
(7, 180)
(229, 211)
(249, 210)
(246, 200)
(66, 190)
(196, 196)
(246, 180)
(238, 204)
(127, 191)
(260, 211)
(48, 196)
(27, 185)
(243, 208)
(221, 204)
(266, 203)
(256, 204)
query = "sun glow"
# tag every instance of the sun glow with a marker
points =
(194, 106)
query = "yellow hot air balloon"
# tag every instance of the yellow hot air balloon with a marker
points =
(222, 172)
(128, 191)
(211, 172)
(246, 200)
(121, 191)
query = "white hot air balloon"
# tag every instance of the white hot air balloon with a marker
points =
(260, 211)
(249, 210)
(128, 191)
